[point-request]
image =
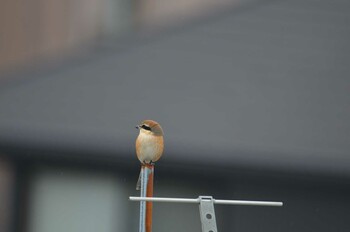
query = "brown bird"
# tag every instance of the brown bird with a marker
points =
(149, 143)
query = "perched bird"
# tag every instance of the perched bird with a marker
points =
(149, 143)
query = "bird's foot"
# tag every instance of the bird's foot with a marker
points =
(148, 162)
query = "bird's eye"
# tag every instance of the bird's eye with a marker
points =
(146, 127)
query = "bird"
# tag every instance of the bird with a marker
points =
(149, 144)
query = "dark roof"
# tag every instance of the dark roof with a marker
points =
(267, 86)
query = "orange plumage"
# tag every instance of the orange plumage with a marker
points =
(149, 143)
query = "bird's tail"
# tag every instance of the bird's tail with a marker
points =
(138, 184)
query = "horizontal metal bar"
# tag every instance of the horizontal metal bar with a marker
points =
(163, 199)
(256, 203)
(197, 200)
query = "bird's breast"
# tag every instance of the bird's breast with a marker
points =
(149, 147)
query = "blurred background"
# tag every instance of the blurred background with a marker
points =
(253, 97)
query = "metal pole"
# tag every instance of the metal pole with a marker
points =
(142, 225)
(149, 193)
(197, 200)
(147, 171)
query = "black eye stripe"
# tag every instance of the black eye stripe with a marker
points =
(146, 127)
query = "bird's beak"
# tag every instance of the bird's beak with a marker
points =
(137, 127)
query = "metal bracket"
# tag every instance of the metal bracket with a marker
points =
(207, 214)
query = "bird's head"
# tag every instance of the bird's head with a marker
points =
(150, 127)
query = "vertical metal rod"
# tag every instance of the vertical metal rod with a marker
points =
(144, 176)
(149, 193)
(147, 174)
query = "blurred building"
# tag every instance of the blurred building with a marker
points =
(37, 31)
(253, 98)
